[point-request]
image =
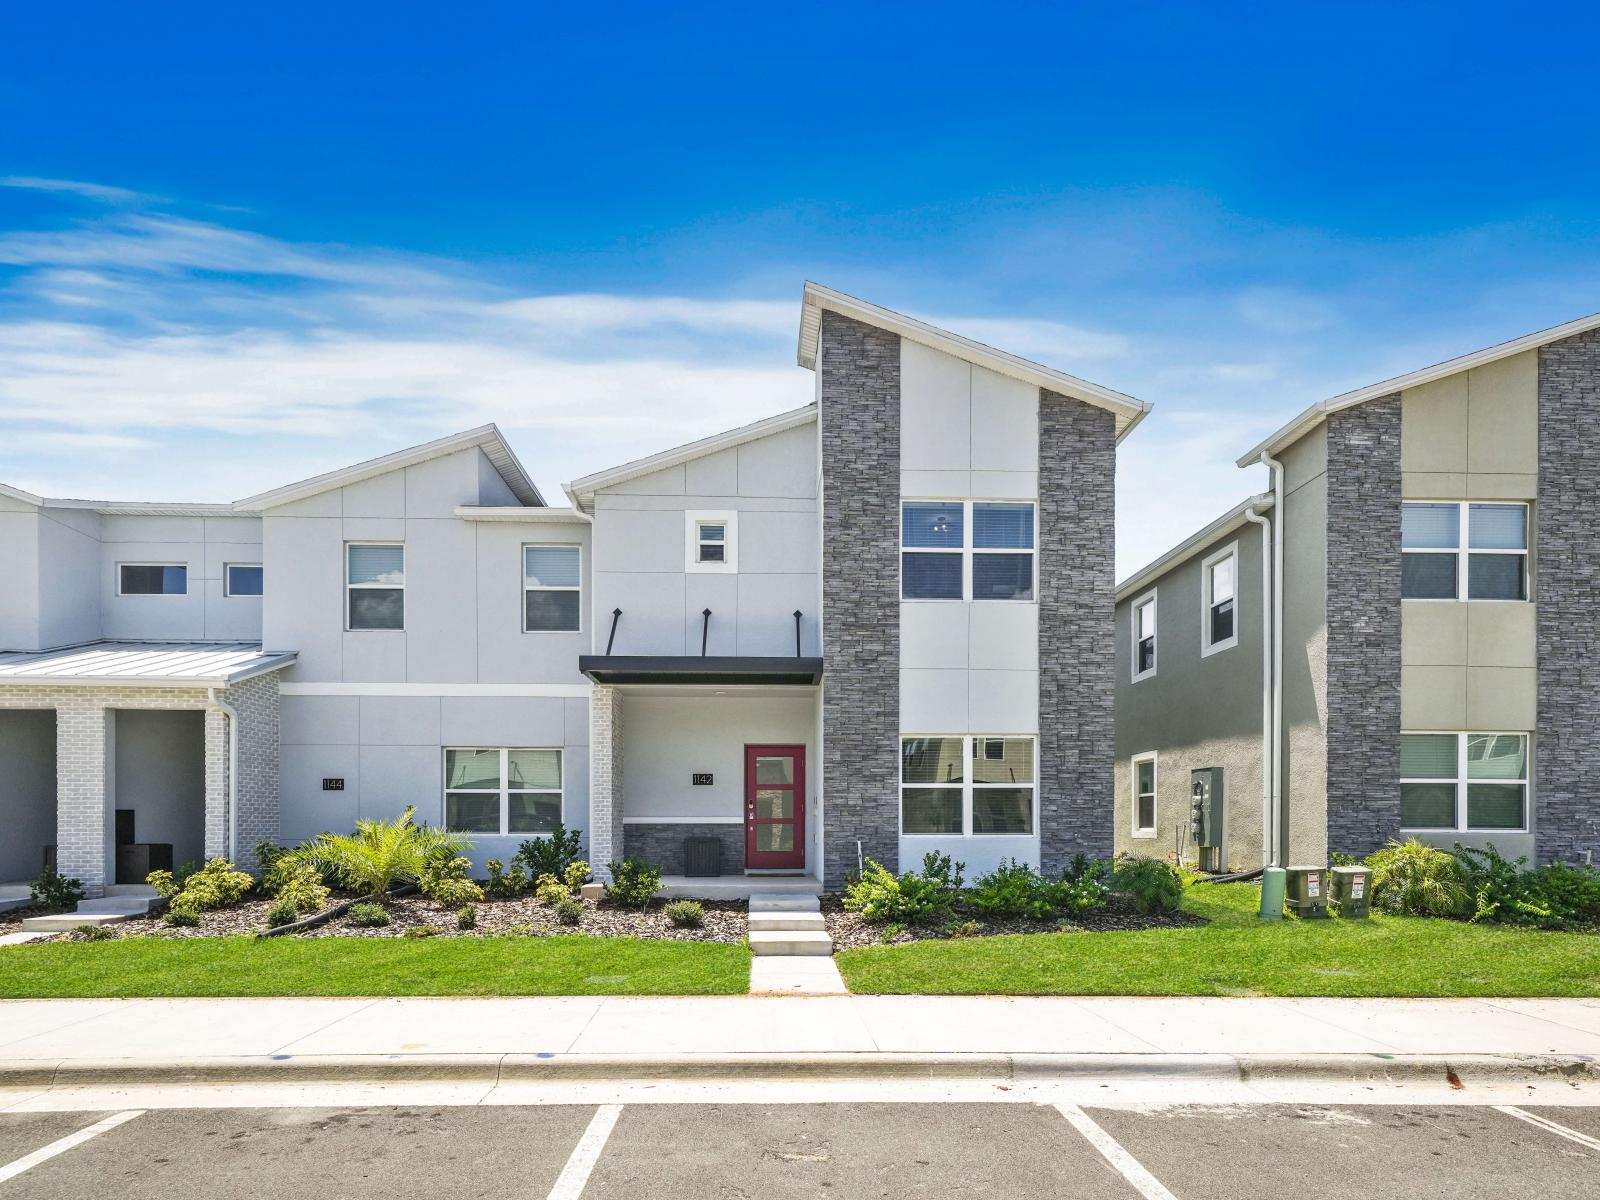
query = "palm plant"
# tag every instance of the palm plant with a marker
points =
(380, 854)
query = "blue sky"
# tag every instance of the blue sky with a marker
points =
(240, 246)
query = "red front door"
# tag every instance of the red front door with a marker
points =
(775, 807)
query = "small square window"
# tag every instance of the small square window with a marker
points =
(712, 542)
(244, 579)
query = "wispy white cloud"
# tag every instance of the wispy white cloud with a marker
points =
(101, 192)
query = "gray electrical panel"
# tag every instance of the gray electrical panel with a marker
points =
(1207, 804)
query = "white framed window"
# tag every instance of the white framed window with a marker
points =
(1454, 782)
(1142, 785)
(1219, 600)
(152, 579)
(1143, 617)
(967, 549)
(982, 785)
(552, 589)
(502, 790)
(242, 579)
(1489, 563)
(711, 542)
(375, 585)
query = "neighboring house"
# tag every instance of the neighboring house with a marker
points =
(1436, 592)
(868, 628)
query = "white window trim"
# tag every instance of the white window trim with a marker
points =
(227, 581)
(1207, 646)
(967, 550)
(966, 787)
(505, 790)
(692, 520)
(522, 565)
(1139, 831)
(1133, 627)
(1461, 782)
(387, 587)
(1463, 552)
(154, 595)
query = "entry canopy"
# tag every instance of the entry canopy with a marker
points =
(143, 664)
(713, 669)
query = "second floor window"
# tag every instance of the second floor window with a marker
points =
(152, 579)
(711, 541)
(375, 588)
(1438, 563)
(243, 579)
(552, 589)
(966, 550)
(1144, 637)
(1219, 580)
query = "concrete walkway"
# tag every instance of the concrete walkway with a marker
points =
(62, 1032)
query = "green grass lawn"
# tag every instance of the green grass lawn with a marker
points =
(485, 966)
(1240, 955)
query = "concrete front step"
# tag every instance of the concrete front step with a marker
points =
(67, 922)
(12, 903)
(784, 902)
(107, 910)
(791, 942)
(769, 922)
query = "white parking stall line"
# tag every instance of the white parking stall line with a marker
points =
(61, 1145)
(575, 1175)
(1549, 1126)
(1111, 1150)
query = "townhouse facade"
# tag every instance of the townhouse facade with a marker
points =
(1397, 639)
(868, 628)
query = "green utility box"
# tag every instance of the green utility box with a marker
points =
(1352, 891)
(1306, 893)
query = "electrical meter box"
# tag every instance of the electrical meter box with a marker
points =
(1306, 892)
(1207, 801)
(1352, 891)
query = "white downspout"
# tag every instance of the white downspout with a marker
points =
(1277, 656)
(215, 695)
(1268, 819)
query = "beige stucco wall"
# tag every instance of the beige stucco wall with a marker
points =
(1471, 665)
(1305, 647)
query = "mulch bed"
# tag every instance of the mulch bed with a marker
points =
(851, 932)
(725, 922)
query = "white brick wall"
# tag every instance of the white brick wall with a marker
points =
(605, 777)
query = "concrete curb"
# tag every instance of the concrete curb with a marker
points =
(1455, 1071)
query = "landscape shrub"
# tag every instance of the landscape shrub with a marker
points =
(1413, 880)
(550, 890)
(686, 914)
(368, 915)
(422, 931)
(576, 874)
(963, 929)
(380, 854)
(181, 912)
(95, 933)
(268, 857)
(1072, 896)
(569, 911)
(302, 889)
(634, 882)
(282, 912)
(1011, 889)
(552, 854)
(504, 884)
(215, 885)
(445, 882)
(1556, 896)
(54, 892)
(1155, 884)
(911, 898)
(467, 917)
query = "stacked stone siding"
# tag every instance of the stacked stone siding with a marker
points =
(663, 844)
(1077, 599)
(1363, 581)
(1567, 592)
(859, 418)
(605, 778)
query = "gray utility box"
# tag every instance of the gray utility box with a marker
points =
(1306, 891)
(1207, 802)
(1352, 891)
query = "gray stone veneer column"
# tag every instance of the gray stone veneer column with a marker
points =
(1077, 601)
(858, 397)
(1567, 593)
(1363, 566)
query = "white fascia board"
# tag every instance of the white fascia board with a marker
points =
(1313, 416)
(486, 437)
(586, 487)
(144, 508)
(18, 494)
(816, 299)
(1195, 543)
(540, 516)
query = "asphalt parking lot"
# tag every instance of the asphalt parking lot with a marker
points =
(779, 1151)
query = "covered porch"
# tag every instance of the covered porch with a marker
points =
(125, 758)
(710, 770)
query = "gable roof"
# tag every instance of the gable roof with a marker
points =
(817, 299)
(488, 438)
(1197, 541)
(1309, 419)
(585, 488)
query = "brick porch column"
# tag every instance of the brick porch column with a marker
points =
(605, 778)
(82, 747)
